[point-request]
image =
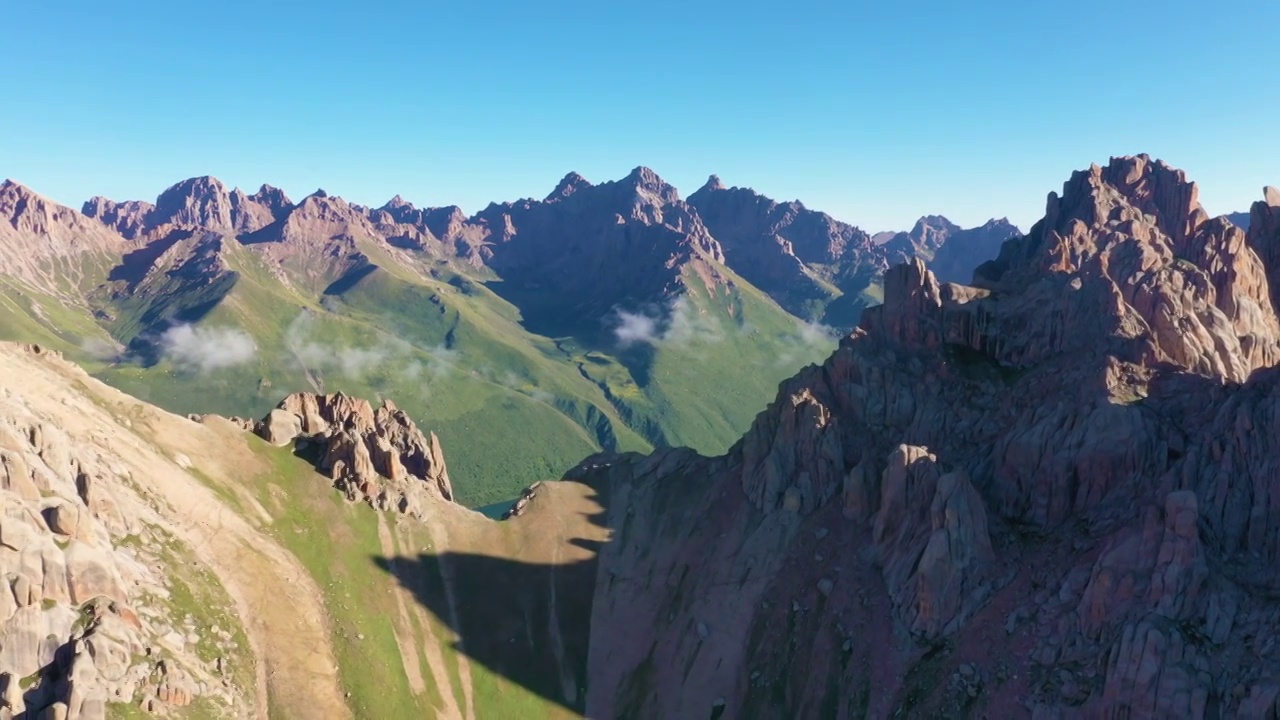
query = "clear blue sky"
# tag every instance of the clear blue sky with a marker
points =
(875, 112)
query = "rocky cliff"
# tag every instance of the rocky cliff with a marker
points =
(1044, 494)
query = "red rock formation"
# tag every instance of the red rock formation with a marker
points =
(1264, 237)
(1051, 494)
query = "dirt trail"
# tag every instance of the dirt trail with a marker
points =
(276, 599)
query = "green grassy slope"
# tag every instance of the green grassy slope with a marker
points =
(509, 406)
(381, 636)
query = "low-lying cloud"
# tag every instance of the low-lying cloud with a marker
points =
(102, 350)
(679, 323)
(387, 357)
(809, 338)
(205, 349)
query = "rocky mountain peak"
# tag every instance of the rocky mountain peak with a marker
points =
(713, 184)
(128, 218)
(933, 223)
(30, 214)
(1128, 188)
(328, 208)
(272, 197)
(400, 210)
(444, 222)
(1134, 241)
(18, 197)
(24, 209)
(926, 237)
(198, 202)
(1271, 196)
(650, 187)
(568, 185)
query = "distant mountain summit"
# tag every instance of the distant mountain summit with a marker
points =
(964, 250)
(1239, 219)
(202, 202)
(803, 258)
(929, 234)
(572, 258)
(818, 267)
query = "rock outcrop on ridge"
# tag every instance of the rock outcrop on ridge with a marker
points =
(1047, 493)
(378, 456)
(45, 244)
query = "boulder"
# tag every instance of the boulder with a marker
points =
(63, 518)
(279, 427)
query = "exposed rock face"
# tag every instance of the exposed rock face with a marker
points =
(128, 218)
(617, 244)
(1264, 237)
(37, 234)
(378, 456)
(1051, 488)
(797, 255)
(198, 202)
(78, 622)
(1129, 244)
(202, 202)
(789, 251)
(251, 213)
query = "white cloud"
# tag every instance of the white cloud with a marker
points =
(102, 350)
(809, 338)
(206, 349)
(680, 323)
(635, 328)
(387, 356)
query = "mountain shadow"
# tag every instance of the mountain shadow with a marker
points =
(135, 265)
(524, 617)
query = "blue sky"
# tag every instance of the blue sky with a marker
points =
(875, 112)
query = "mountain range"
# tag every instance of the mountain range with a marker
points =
(613, 316)
(1046, 492)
